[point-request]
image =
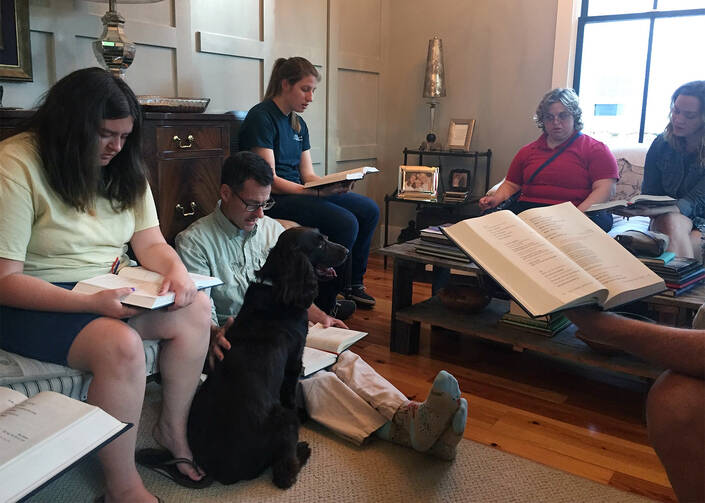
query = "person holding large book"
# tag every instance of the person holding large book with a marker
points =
(675, 166)
(675, 407)
(274, 130)
(73, 195)
(561, 165)
(352, 399)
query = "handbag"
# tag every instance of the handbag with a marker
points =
(508, 202)
(644, 243)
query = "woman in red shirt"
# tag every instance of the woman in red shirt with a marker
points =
(585, 172)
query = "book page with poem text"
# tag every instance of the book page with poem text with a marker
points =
(591, 248)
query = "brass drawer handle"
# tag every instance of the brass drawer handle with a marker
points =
(180, 208)
(180, 142)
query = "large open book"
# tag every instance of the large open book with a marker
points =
(146, 284)
(554, 258)
(323, 345)
(639, 201)
(43, 436)
(342, 176)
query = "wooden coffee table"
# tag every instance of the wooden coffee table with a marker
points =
(406, 319)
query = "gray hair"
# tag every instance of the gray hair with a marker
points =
(569, 100)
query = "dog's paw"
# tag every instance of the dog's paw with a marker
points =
(303, 452)
(284, 473)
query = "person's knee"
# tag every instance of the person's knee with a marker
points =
(675, 403)
(123, 351)
(201, 307)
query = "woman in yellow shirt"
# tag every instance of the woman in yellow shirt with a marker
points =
(73, 194)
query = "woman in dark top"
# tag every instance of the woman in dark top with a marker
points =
(274, 130)
(675, 166)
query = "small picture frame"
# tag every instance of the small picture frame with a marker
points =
(460, 134)
(459, 180)
(419, 183)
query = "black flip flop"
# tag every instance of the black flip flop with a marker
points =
(101, 499)
(162, 462)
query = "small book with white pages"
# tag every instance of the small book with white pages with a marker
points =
(323, 345)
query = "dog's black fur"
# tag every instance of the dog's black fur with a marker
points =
(243, 419)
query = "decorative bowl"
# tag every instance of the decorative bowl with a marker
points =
(164, 104)
(469, 299)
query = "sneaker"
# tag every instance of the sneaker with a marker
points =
(362, 298)
(343, 309)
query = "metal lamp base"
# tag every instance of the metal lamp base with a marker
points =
(113, 49)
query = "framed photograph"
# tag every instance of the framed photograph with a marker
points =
(15, 50)
(459, 180)
(418, 182)
(460, 134)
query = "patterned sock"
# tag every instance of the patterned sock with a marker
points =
(420, 424)
(445, 446)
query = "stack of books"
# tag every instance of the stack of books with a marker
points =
(680, 274)
(548, 326)
(450, 196)
(433, 242)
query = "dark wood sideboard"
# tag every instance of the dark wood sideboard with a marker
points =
(184, 153)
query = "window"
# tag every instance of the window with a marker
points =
(630, 57)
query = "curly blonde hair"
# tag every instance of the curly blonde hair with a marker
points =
(569, 100)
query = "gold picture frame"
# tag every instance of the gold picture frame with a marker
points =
(419, 183)
(15, 48)
(460, 134)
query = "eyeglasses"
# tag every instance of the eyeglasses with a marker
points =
(254, 207)
(563, 116)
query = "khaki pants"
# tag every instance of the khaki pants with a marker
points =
(351, 399)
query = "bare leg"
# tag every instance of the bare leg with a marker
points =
(676, 423)
(185, 334)
(113, 352)
(678, 228)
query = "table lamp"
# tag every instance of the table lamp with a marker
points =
(113, 49)
(434, 88)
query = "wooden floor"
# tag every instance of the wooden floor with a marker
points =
(584, 422)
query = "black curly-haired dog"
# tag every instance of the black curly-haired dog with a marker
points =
(243, 418)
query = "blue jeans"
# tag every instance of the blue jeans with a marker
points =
(348, 219)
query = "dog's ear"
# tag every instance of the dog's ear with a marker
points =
(297, 285)
(292, 276)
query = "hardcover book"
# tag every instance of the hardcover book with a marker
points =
(45, 435)
(342, 176)
(146, 286)
(323, 345)
(554, 258)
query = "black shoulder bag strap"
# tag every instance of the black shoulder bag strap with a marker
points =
(550, 160)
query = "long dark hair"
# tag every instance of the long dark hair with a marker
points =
(696, 89)
(66, 126)
(292, 70)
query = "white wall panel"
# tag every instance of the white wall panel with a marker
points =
(231, 83)
(241, 18)
(357, 118)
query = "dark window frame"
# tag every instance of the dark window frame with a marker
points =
(652, 16)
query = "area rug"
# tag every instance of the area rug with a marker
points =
(376, 472)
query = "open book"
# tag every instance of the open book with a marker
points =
(43, 436)
(341, 176)
(323, 345)
(635, 202)
(554, 258)
(146, 284)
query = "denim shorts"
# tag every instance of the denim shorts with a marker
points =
(43, 335)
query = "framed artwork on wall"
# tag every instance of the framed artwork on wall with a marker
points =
(418, 182)
(460, 134)
(15, 49)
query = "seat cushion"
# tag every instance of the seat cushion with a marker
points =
(30, 376)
